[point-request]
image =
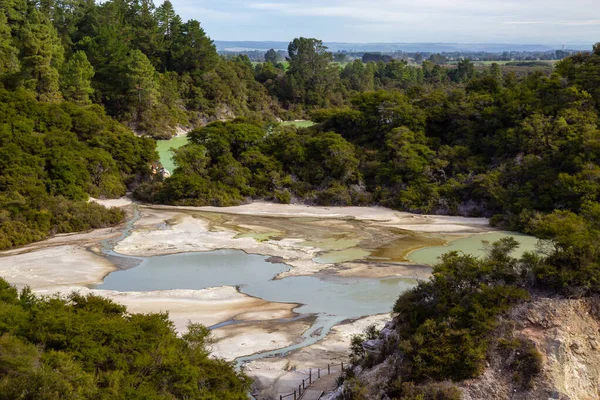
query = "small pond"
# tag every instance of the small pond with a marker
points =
(164, 150)
(472, 245)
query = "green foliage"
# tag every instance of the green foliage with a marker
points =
(353, 389)
(572, 256)
(76, 79)
(226, 162)
(89, 347)
(445, 323)
(142, 88)
(52, 157)
(311, 78)
(9, 62)
(42, 56)
(430, 391)
(525, 360)
(357, 352)
(271, 56)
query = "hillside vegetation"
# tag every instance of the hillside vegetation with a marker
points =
(52, 157)
(87, 347)
(496, 146)
(77, 77)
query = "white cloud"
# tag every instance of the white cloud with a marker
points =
(549, 21)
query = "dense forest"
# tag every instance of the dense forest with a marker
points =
(87, 347)
(78, 78)
(53, 156)
(69, 70)
(495, 146)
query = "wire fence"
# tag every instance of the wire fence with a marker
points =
(297, 394)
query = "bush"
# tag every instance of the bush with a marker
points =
(526, 360)
(53, 159)
(431, 391)
(445, 323)
(357, 352)
(90, 347)
(353, 389)
(283, 196)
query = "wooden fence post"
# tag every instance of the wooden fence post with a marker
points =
(303, 387)
(294, 394)
(319, 373)
(328, 370)
(310, 377)
(342, 366)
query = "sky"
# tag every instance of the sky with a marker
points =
(408, 21)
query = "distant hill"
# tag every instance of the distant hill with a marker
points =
(407, 47)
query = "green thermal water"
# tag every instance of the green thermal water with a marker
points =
(164, 150)
(298, 124)
(472, 245)
(340, 256)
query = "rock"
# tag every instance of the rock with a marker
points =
(373, 346)
(388, 334)
(566, 332)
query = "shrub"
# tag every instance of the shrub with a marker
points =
(526, 360)
(430, 391)
(90, 347)
(445, 323)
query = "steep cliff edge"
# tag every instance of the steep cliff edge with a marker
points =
(567, 335)
(546, 348)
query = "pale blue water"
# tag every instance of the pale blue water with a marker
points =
(341, 297)
(194, 271)
(331, 299)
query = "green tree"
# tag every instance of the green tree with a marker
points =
(89, 347)
(142, 86)
(464, 71)
(311, 75)
(438, 59)
(170, 28)
(357, 76)
(272, 57)
(76, 79)
(193, 51)
(145, 31)
(42, 56)
(9, 62)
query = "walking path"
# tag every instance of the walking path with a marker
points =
(318, 388)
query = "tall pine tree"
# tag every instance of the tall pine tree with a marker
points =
(170, 28)
(41, 56)
(9, 62)
(76, 79)
(142, 85)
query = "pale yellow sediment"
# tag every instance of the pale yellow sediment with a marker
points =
(245, 339)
